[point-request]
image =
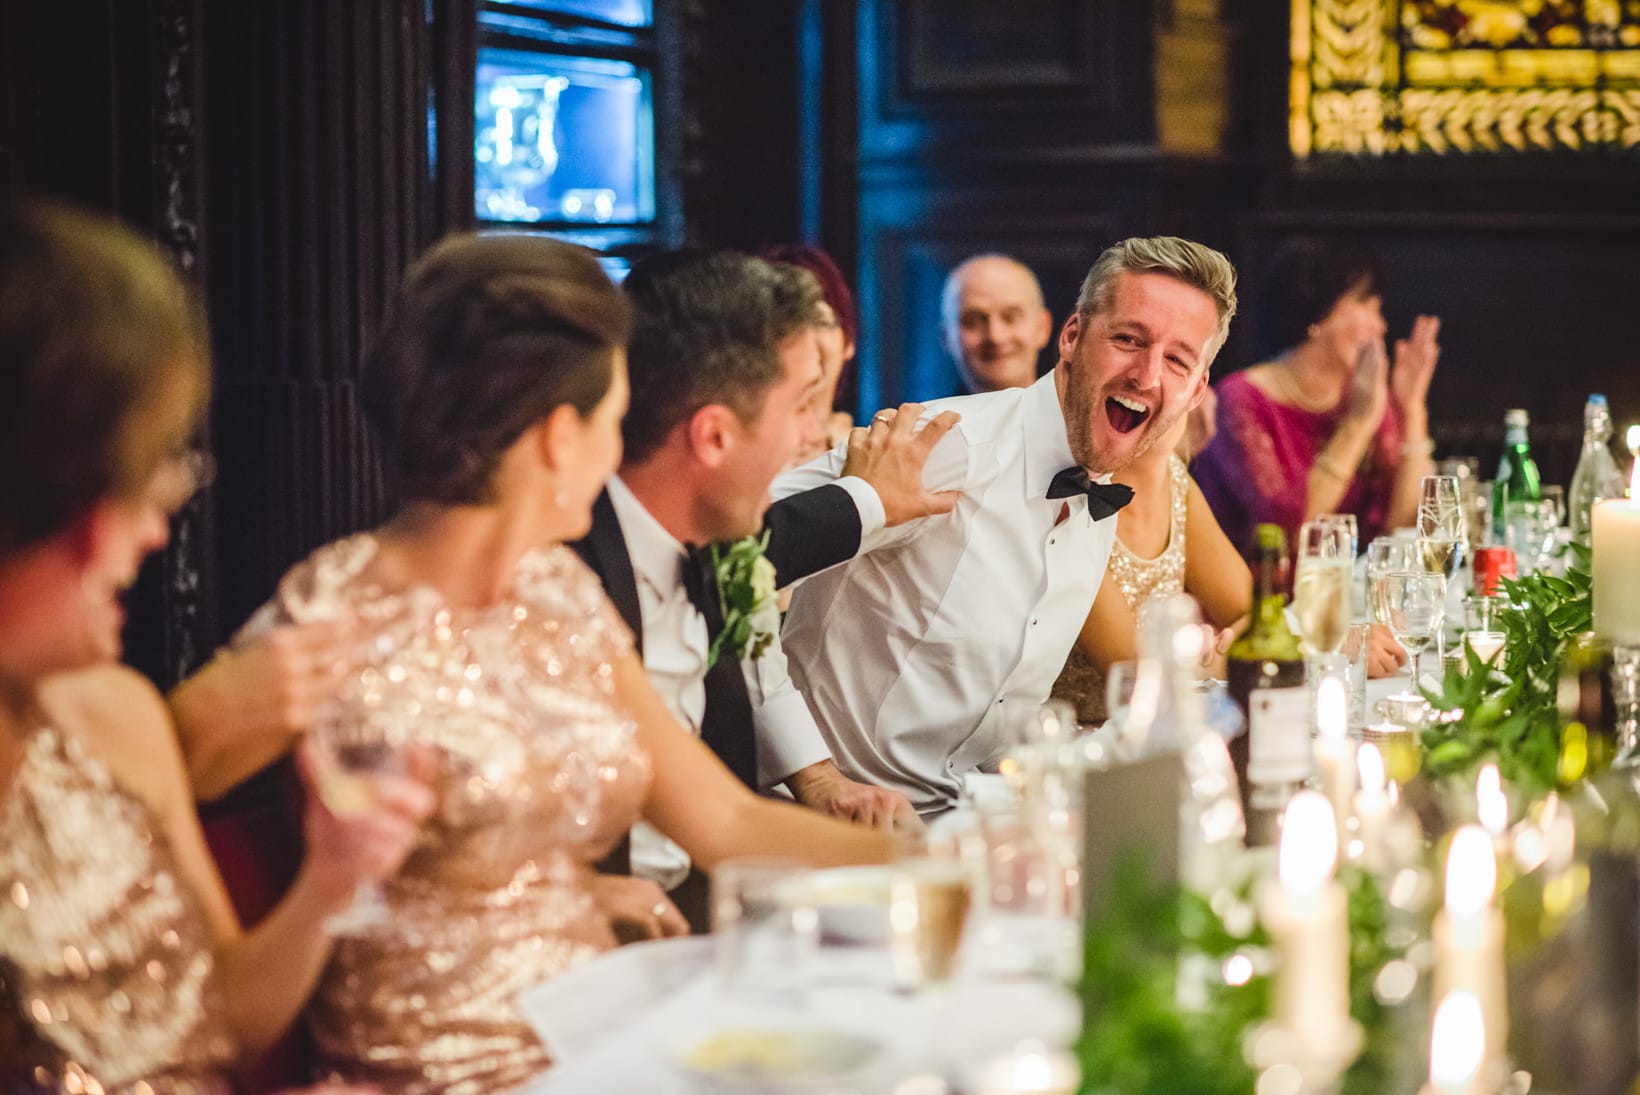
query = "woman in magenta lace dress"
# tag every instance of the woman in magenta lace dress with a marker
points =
(1327, 425)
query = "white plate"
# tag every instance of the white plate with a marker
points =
(748, 1058)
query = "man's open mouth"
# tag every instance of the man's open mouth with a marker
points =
(1125, 415)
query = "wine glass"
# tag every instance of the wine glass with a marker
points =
(1413, 606)
(1388, 555)
(1443, 532)
(1347, 522)
(360, 736)
(1321, 586)
(1551, 515)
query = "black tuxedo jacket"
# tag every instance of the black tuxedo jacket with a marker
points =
(808, 532)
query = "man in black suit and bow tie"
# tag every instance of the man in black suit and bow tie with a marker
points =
(921, 655)
(724, 366)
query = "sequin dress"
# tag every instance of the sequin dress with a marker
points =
(538, 775)
(1082, 682)
(107, 981)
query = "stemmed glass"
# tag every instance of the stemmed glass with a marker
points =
(1443, 532)
(1387, 555)
(1321, 586)
(361, 735)
(1413, 606)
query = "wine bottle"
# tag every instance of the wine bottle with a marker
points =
(1596, 476)
(1266, 676)
(1517, 479)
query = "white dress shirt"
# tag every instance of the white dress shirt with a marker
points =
(923, 653)
(675, 647)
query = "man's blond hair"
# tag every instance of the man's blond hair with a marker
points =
(1195, 264)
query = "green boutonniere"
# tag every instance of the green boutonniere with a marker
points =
(746, 592)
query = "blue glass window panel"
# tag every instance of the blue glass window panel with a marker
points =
(562, 139)
(621, 13)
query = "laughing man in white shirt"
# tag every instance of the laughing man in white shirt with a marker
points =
(917, 655)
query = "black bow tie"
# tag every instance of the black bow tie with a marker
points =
(700, 583)
(1104, 499)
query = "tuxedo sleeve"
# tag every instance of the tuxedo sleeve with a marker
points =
(815, 529)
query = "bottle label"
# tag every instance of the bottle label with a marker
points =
(1278, 730)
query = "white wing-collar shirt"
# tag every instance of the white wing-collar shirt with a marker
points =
(922, 655)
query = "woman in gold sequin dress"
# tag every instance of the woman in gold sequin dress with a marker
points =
(122, 968)
(1166, 541)
(498, 385)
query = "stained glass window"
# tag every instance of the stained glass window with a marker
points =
(1464, 77)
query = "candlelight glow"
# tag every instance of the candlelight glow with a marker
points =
(1370, 762)
(1491, 807)
(1471, 873)
(1331, 708)
(1631, 438)
(1457, 1042)
(1309, 843)
(1634, 476)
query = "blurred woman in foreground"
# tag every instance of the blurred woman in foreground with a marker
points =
(122, 967)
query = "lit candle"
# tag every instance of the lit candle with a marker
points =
(1372, 807)
(1487, 645)
(1305, 911)
(1031, 1069)
(1469, 934)
(1491, 805)
(1457, 1046)
(1616, 566)
(1334, 751)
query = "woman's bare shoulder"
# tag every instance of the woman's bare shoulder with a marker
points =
(115, 712)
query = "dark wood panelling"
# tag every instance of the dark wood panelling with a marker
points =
(977, 49)
(321, 192)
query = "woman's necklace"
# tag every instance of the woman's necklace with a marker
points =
(1295, 393)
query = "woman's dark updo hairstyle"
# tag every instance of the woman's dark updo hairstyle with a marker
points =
(1305, 278)
(96, 331)
(486, 336)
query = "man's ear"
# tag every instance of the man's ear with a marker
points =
(712, 431)
(1042, 330)
(1068, 336)
(1200, 391)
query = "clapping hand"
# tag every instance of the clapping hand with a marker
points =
(891, 453)
(1368, 392)
(1415, 359)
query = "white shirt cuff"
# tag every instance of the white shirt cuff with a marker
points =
(872, 516)
(788, 740)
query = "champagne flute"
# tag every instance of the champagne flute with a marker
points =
(1321, 586)
(1443, 533)
(1414, 607)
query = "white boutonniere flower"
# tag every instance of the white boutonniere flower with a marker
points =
(747, 595)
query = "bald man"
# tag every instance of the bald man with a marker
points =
(993, 322)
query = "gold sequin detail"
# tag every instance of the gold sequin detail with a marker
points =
(539, 774)
(1139, 580)
(106, 974)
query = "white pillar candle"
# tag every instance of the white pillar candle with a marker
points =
(1304, 908)
(1457, 1046)
(1469, 934)
(1335, 752)
(1487, 645)
(1372, 808)
(1616, 544)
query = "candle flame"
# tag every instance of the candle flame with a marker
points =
(1631, 437)
(1331, 708)
(1457, 1042)
(1491, 807)
(1309, 843)
(1471, 872)
(1370, 762)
